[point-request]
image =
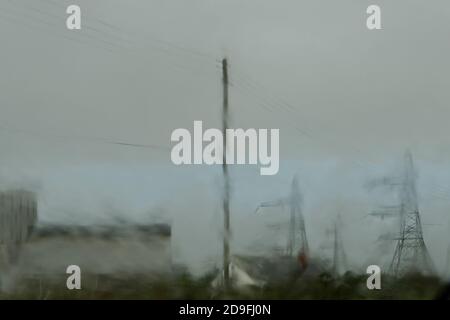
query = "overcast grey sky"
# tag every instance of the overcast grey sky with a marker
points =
(139, 69)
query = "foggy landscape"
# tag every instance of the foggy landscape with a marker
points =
(87, 119)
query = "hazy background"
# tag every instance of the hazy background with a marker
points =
(348, 102)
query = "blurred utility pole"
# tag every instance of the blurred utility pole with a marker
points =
(226, 194)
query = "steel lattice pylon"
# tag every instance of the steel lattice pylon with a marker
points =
(297, 242)
(411, 253)
(339, 256)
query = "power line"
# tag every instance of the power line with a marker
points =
(271, 103)
(57, 25)
(87, 38)
(290, 118)
(176, 48)
(89, 139)
(11, 18)
(239, 81)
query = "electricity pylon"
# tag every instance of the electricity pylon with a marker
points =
(339, 257)
(411, 253)
(297, 242)
(447, 265)
(446, 271)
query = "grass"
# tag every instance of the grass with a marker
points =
(185, 286)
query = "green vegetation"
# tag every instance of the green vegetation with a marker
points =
(185, 286)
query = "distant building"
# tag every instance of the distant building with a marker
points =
(18, 217)
(115, 250)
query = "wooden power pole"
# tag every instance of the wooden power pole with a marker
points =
(226, 191)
